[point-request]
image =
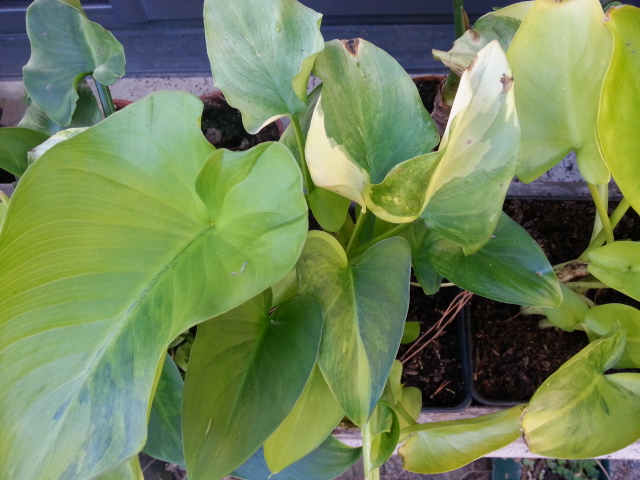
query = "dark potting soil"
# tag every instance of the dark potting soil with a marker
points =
(437, 370)
(222, 126)
(511, 355)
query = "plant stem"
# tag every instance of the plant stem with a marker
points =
(392, 232)
(353, 240)
(303, 159)
(104, 93)
(615, 218)
(602, 212)
(369, 472)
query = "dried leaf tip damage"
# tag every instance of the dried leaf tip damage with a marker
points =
(352, 45)
(507, 82)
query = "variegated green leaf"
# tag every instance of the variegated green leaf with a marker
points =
(328, 208)
(499, 25)
(462, 185)
(261, 54)
(558, 104)
(246, 371)
(310, 422)
(575, 410)
(369, 118)
(365, 304)
(443, 446)
(481, 145)
(65, 47)
(618, 265)
(602, 318)
(618, 121)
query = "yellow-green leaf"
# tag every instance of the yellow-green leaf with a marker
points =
(115, 242)
(443, 446)
(602, 318)
(313, 418)
(559, 57)
(575, 411)
(618, 265)
(618, 121)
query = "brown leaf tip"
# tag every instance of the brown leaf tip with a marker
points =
(506, 82)
(352, 45)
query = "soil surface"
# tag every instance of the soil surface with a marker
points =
(222, 126)
(511, 355)
(437, 370)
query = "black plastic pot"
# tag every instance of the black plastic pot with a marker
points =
(523, 352)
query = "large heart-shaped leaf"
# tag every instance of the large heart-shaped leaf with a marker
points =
(15, 143)
(369, 118)
(65, 47)
(602, 318)
(618, 123)
(463, 185)
(443, 446)
(330, 460)
(112, 248)
(510, 268)
(246, 371)
(558, 107)
(365, 304)
(500, 25)
(261, 54)
(575, 410)
(86, 113)
(164, 439)
(618, 265)
(312, 419)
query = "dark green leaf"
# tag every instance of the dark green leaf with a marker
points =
(164, 438)
(510, 268)
(246, 371)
